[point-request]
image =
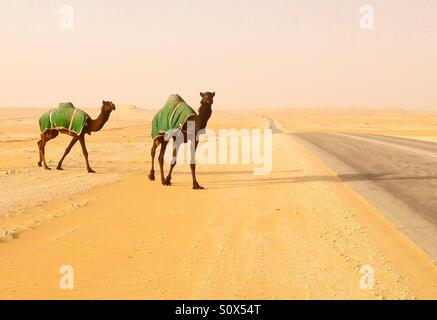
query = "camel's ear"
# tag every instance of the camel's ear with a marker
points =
(103, 102)
(201, 94)
(213, 94)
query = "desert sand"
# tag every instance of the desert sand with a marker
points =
(298, 233)
(407, 123)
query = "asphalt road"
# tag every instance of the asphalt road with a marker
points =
(398, 176)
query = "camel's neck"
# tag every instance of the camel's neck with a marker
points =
(97, 124)
(203, 116)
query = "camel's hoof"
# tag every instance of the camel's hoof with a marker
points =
(91, 171)
(39, 164)
(47, 168)
(59, 168)
(197, 187)
(151, 177)
(168, 182)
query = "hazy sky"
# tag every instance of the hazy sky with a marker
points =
(253, 53)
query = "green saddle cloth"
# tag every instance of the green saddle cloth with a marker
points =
(66, 116)
(172, 116)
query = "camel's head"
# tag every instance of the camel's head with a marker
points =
(207, 97)
(108, 106)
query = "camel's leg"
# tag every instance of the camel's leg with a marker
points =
(45, 137)
(161, 159)
(67, 151)
(173, 162)
(40, 152)
(196, 185)
(155, 145)
(85, 153)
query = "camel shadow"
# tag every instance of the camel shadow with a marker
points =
(342, 178)
(232, 172)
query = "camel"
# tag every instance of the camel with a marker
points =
(200, 121)
(91, 125)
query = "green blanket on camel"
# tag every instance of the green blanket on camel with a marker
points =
(172, 116)
(66, 116)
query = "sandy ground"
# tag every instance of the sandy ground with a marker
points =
(414, 124)
(299, 232)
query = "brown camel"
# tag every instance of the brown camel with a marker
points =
(200, 121)
(91, 125)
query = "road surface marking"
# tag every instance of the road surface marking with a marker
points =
(414, 150)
